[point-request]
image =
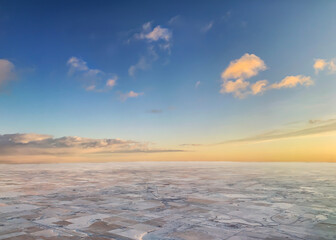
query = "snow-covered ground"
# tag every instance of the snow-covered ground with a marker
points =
(168, 200)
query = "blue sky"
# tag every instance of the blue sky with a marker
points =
(179, 50)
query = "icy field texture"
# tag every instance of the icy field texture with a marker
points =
(168, 200)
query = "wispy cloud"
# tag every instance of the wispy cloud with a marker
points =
(6, 71)
(158, 40)
(319, 127)
(154, 34)
(191, 145)
(322, 64)
(174, 20)
(131, 94)
(77, 65)
(159, 33)
(314, 127)
(142, 64)
(197, 84)
(41, 144)
(207, 27)
(293, 81)
(235, 78)
(93, 79)
(90, 88)
(227, 16)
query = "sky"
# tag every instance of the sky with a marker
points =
(167, 80)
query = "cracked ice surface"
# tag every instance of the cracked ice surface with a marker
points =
(168, 200)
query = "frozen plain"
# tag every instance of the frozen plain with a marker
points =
(168, 200)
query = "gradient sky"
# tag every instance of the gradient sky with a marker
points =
(167, 80)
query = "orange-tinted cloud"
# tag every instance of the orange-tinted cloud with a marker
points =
(319, 65)
(259, 87)
(249, 65)
(322, 64)
(293, 81)
(236, 87)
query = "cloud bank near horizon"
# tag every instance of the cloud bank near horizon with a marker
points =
(23, 144)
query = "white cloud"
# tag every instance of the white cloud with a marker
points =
(207, 27)
(158, 40)
(131, 94)
(76, 65)
(159, 33)
(6, 71)
(155, 34)
(322, 64)
(197, 84)
(93, 79)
